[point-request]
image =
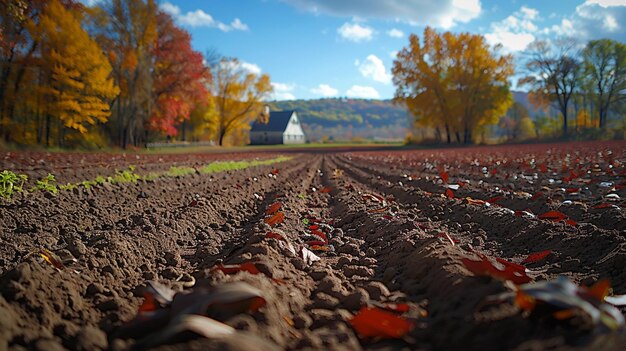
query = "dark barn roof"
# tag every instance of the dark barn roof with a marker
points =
(278, 122)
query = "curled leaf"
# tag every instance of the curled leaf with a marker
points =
(51, 258)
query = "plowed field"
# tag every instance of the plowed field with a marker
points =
(328, 250)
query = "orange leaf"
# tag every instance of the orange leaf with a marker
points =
(273, 208)
(373, 322)
(571, 222)
(537, 256)
(525, 302)
(326, 190)
(51, 258)
(275, 171)
(276, 219)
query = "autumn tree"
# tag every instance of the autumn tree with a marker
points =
(452, 82)
(127, 32)
(553, 74)
(237, 96)
(517, 123)
(18, 59)
(604, 65)
(78, 84)
(180, 78)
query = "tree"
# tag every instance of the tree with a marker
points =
(79, 84)
(553, 73)
(511, 123)
(180, 77)
(238, 96)
(604, 63)
(127, 32)
(454, 82)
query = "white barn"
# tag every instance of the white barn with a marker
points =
(283, 128)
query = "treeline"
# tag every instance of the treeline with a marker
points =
(347, 119)
(457, 87)
(121, 72)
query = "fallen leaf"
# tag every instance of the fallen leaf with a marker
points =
(51, 258)
(537, 256)
(272, 235)
(373, 322)
(495, 199)
(275, 219)
(553, 216)
(148, 304)
(273, 208)
(249, 267)
(447, 236)
(486, 268)
(604, 205)
(326, 190)
(308, 256)
(449, 194)
(444, 176)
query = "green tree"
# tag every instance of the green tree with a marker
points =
(604, 63)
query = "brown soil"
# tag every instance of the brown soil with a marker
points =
(171, 228)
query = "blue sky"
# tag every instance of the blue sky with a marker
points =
(324, 48)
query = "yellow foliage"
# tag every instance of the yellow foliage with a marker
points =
(453, 81)
(79, 84)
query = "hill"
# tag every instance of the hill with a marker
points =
(344, 119)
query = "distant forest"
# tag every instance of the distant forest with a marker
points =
(349, 119)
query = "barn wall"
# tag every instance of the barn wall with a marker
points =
(266, 138)
(293, 133)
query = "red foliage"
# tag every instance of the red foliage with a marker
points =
(275, 219)
(179, 77)
(513, 272)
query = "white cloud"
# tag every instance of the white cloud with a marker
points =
(393, 54)
(325, 90)
(362, 92)
(610, 23)
(283, 91)
(441, 13)
(516, 31)
(374, 68)
(606, 3)
(199, 18)
(395, 33)
(251, 67)
(355, 32)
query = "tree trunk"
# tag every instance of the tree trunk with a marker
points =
(47, 130)
(222, 134)
(448, 134)
(458, 136)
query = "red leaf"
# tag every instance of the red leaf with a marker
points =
(493, 200)
(572, 190)
(537, 256)
(396, 307)
(276, 219)
(315, 242)
(236, 268)
(314, 227)
(148, 304)
(604, 205)
(326, 190)
(373, 322)
(543, 168)
(494, 171)
(571, 222)
(485, 267)
(553, 216)
(275, 171)
(444, 176)
(449, 194)
(273, 208)
(462, 184)
(537, 195)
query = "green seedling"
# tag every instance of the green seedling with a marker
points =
(11, 183)
(48, 184)
(125, 176)
(180, 171)
(68, 187)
